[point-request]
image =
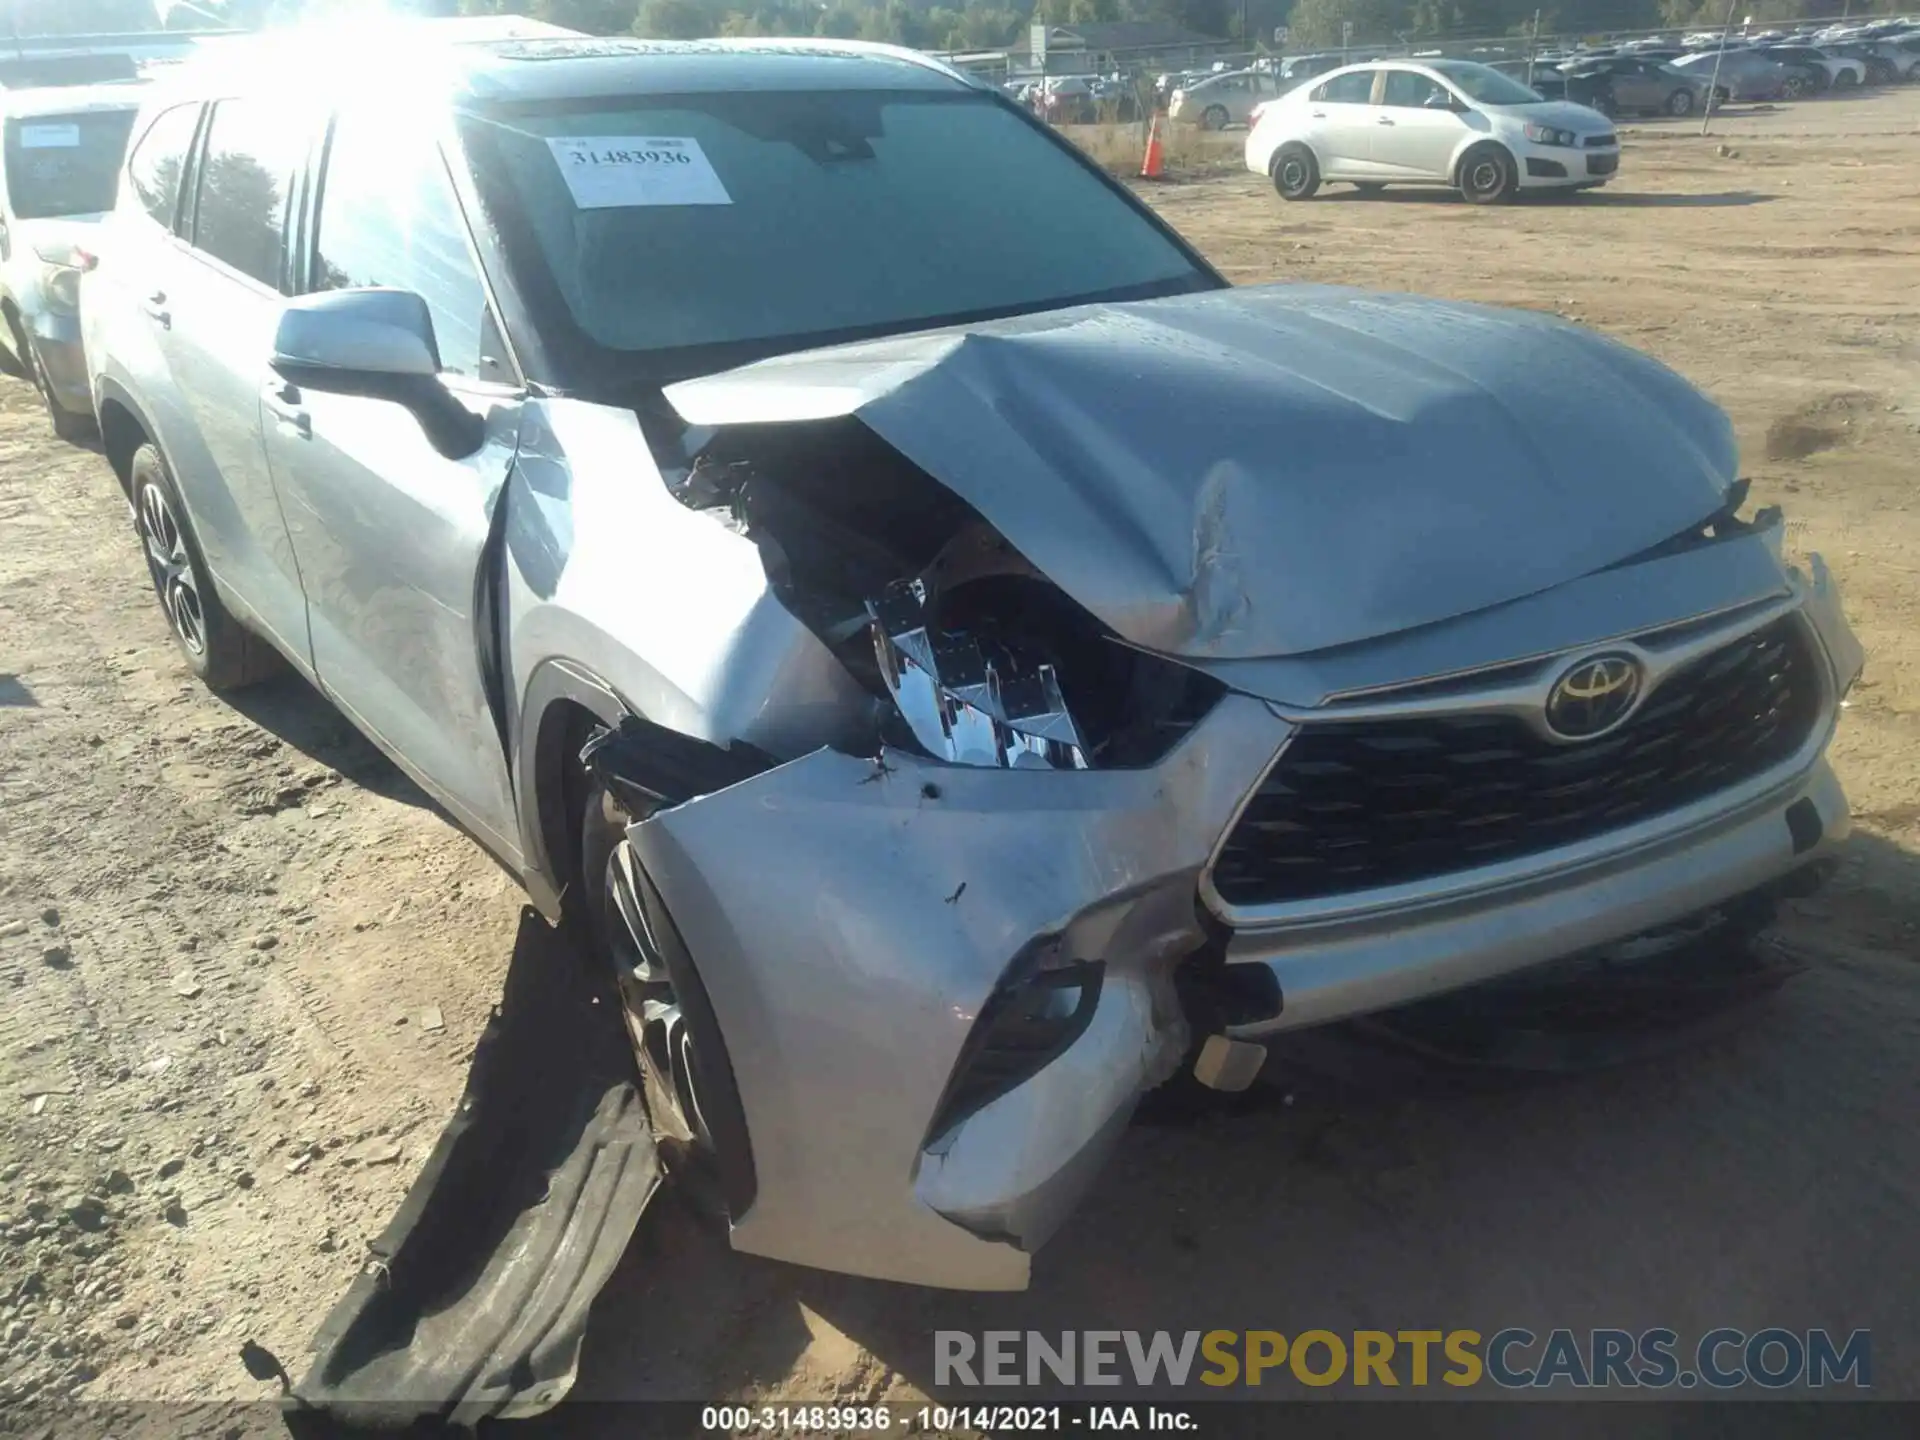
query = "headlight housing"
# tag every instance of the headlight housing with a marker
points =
(1548, 135)
(962, 705)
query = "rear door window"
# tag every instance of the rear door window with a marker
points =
(240, 210)
(158, 161)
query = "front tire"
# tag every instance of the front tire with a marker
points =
(221, 651)
(1488, 176)
(1846, 80)
(1680, 103)
(1296, 174)
(686, 1078)
(1214, 117)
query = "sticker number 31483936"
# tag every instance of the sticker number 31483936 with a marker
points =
(607, 171)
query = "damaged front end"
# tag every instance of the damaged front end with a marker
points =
(938, 1025)
(940, 1022)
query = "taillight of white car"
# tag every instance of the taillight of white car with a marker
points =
(1253, 115)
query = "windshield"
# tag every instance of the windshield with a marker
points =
(1484, 84)
(65, 164)
(778, 220)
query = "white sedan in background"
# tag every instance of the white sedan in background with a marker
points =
(1437, 122)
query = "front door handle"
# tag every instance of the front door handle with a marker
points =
(1319, 114)
(283, 401)
(1384, 120)
(156, 307)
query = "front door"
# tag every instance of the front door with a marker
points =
(1417, 130)
(390, 534)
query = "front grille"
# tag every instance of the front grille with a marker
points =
(1600, 142)
(1354, 805)
(1602, 164)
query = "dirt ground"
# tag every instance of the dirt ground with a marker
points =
(242, 962)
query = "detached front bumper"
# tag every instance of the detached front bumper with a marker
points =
(851, 920)
(847, 986)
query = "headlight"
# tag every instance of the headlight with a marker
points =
(1004, 670)
(963, 706)
(61, 285)
(1547, 135)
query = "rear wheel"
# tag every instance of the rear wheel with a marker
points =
(1296, 174)
(1680, 102)
(218, 648)
(1795, 86)
(1487, 176)
(1214, 117)
(1846, 80)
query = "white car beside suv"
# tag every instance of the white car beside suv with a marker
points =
(1436, 122)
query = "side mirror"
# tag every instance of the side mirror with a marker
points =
(377, 344)
(1442, 102)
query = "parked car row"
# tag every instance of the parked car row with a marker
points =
(1649, 76)
(1771, 65)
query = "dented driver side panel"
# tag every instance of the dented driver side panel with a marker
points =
(672, 613)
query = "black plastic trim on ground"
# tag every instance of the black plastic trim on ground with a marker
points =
(474, 1301)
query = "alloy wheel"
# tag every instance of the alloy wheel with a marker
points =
(172, 569)
(662, 1040)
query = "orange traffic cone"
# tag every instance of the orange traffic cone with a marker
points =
(1153, 166)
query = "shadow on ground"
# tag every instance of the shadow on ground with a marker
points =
(1599, 199)
(309, 722)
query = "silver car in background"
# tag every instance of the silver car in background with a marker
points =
(957, 662)
(1222, 100)
(63, 149)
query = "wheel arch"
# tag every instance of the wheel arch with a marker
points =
(561, 705)
(1472, 147)
(1287, 143)
(124, 428)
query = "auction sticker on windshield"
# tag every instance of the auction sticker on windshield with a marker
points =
(606, 171)
(49, 137)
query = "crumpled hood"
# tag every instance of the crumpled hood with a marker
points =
(1280, 469)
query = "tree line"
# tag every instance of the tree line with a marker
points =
(973, 25)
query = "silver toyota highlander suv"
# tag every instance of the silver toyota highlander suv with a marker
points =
(964, 661)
